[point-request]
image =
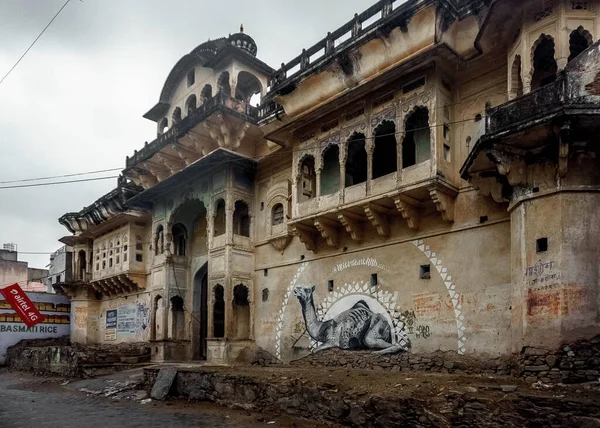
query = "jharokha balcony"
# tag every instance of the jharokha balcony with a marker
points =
(221, 121)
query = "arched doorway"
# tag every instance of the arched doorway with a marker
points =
(200, 314)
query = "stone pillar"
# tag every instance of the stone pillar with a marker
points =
(318, 181)
(399, 163)
(369, 147)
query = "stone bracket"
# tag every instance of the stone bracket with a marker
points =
(353, 225)
(227, 134)
(280, 243)
(444, 202)
(489, 186)
(329, 231)
(307, 235)
(409, 212)
(377, 215)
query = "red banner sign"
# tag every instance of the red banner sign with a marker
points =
(19, 301)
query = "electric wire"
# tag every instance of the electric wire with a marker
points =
(60, 176)
(34, 42)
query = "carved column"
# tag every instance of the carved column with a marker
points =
(318, 189)
(399, 163)
(369, 147)
(343, 156)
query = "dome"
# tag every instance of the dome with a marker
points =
(243, 41)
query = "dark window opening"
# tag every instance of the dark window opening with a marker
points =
(373, 279)
(425, 272)
(103, 264)
(483, 219)
(139, 257)
(139, 247)
(219, 312)
(176, 115)
(308, 178)
(277, 214)
(179, 233)
(265, 294)
(223, 83)
(579, 40)
(241, 312)
(191, 104)
(191, 77)
(356, 163)
(206, 94)
(544, 64)
(330, 174)
(159, 240)
(110, 262)
(447, 153)
(177, 318)
(541, 245)
(416, 147)
(266, 272)
(385, 158)
(241, 219)
(125, 257)
(220, 218)
(330, 285)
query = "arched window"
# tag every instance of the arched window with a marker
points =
(277, 214)
(177, 319)
(159, 240)
(206, 94)
(330, 174)
(179, 239)
(82, 264)
(356, 163)
(223, 83)
(190, 104)
(416, 147)
(544, 64)
(163, 126)
(157, 331)
(247, 86)
(307, 178)
(220, 218)
(241, 219)
(219, 311)
(241, 312)
(385, 158)
(176, 115)
(579, 40)
(516, 81)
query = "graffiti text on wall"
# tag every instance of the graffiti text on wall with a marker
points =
(541, 273)
(365, 261)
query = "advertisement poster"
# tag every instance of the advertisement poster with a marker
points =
(110, 333)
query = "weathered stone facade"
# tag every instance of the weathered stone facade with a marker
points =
(428, 168)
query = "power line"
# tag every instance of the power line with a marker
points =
(58, 182)
(61, 176)
(36, 39)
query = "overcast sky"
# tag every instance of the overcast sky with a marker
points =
(75, 103)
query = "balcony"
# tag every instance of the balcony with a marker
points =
(219, 102)
(417, 191)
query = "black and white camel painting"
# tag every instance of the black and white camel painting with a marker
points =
(358, 327)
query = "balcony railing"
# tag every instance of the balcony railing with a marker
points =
(527, 107)
(187, 123)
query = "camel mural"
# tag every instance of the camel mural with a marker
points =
(356, 328)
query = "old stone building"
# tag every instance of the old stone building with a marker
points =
(424, 178)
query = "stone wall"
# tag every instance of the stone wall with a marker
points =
(573, 363)
(60, 358)
(328, 398)
(437, 362)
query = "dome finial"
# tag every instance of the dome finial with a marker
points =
(241, 28)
